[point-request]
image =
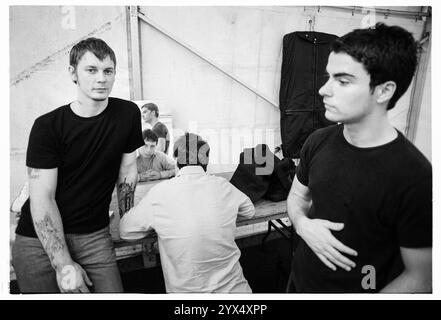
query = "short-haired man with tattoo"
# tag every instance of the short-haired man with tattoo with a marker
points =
(76, 154)
(361, 200)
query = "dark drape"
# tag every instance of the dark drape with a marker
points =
(305, 55)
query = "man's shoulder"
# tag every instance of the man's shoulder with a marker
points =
(412, 159)
(325, 132)
(161, 155)
(160, 126)
(220, 181)
(161, 188)
(320, 136)
(51, 116)
(123, 104)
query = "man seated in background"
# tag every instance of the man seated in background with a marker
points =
(153, 164)
(194, 215)
(150, 114)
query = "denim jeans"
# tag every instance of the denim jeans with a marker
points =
(93, 251)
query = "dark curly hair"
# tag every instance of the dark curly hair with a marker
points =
(149, 135)
(388, 53)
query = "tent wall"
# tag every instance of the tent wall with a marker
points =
(244, 41)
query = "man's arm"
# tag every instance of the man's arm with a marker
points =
(161, 144)
(126, 183)
(136, 223)
(316, 232)
(49, 228)
(144, 176)
(246, 209)
(168, 167)
(417, 274)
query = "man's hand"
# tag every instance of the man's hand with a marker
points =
(317, 235)
(144, 176)
(71, 278)
(154, 175)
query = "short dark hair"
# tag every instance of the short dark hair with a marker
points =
(97, 46)
(388, 53)
(149, 135)
(191, 149)
(152, 107)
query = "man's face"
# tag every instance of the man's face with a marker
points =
(94, 77)
(149, 148)
(346, 95)
(146, 114)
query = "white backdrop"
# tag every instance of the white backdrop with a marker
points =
(245, 41)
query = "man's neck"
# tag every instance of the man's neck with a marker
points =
(148, 156)
(372, 131)
(153, 121)
(87, 107)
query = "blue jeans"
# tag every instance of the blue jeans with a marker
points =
(93, 251)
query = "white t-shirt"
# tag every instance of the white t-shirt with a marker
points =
(194, 215)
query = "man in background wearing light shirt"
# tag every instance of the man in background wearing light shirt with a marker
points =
(153, 164)
(194, 215)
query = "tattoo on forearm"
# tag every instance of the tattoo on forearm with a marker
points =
(126, 196)
(34, 173)
(50, 236)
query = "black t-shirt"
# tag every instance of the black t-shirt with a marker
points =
(383, 195)
(161, 131)
(87, 153)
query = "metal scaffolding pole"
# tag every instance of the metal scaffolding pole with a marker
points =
(212, 63)
(134, 48)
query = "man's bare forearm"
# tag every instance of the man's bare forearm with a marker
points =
(48, 225)
(126, 193)
(161, 144)
(167, 173)
(298, 207)
(126, 183)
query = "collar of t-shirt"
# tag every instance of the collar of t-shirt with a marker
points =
(191, 170)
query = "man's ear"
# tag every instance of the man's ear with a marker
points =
(73, 74)
(385, 91)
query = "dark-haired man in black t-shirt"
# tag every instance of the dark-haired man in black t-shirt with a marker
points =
(150, 114)
(362, 197)
(76, 153)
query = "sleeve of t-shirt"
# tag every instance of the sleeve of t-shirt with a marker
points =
(42, 152)
(302, 170)
(138, 221)
(245, 206)
(135, 137)
(414, 217)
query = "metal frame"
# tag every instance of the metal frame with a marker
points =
(416, 97)
(140, 15)
(135, 74)
(134, 48)
(386, 12)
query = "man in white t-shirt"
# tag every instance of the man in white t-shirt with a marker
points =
(194, 215)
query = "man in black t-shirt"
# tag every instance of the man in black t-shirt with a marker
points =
(361, 200)
(150, 114)
(76, 153)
